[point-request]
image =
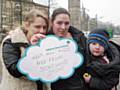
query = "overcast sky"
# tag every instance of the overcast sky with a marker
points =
(106, 10)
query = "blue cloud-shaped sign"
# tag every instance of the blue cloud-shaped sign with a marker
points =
(52, 58)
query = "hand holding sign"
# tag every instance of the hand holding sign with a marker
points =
(35, 38)
(51, 59)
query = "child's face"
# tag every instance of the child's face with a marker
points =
(96, 49)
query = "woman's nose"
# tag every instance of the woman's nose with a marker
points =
(41, 30)
(63, 26)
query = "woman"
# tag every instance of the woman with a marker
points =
(103, 62)
(60, 26)
(34, 28)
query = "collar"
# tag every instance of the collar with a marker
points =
(18, 36)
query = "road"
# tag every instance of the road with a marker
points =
(116, 40)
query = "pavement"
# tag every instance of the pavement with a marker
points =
(116, 40)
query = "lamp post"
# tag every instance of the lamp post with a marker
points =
(48, 9)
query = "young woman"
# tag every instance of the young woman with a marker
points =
(60, 26)
(103, 62)
(34, 28)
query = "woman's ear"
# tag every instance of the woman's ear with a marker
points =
(27, 24)
(26, 27)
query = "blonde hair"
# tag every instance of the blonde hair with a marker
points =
(29, 17)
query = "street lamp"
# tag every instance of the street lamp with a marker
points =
(48, 9)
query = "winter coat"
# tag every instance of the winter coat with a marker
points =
(75, 82)
(12, 79)
(104, 76)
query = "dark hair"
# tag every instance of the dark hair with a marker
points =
(59, 11)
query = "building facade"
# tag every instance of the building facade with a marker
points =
(13, 12)
(74, 9)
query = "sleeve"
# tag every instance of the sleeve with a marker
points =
(11, 55)
(106, 83)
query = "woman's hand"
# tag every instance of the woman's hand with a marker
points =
(106, 59)
(35, 38)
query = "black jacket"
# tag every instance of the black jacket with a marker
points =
(104, 76)
(11, 55)
(75, 82)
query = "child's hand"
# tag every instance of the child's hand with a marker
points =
(87, 77)
(106, 59)
(35, 38)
